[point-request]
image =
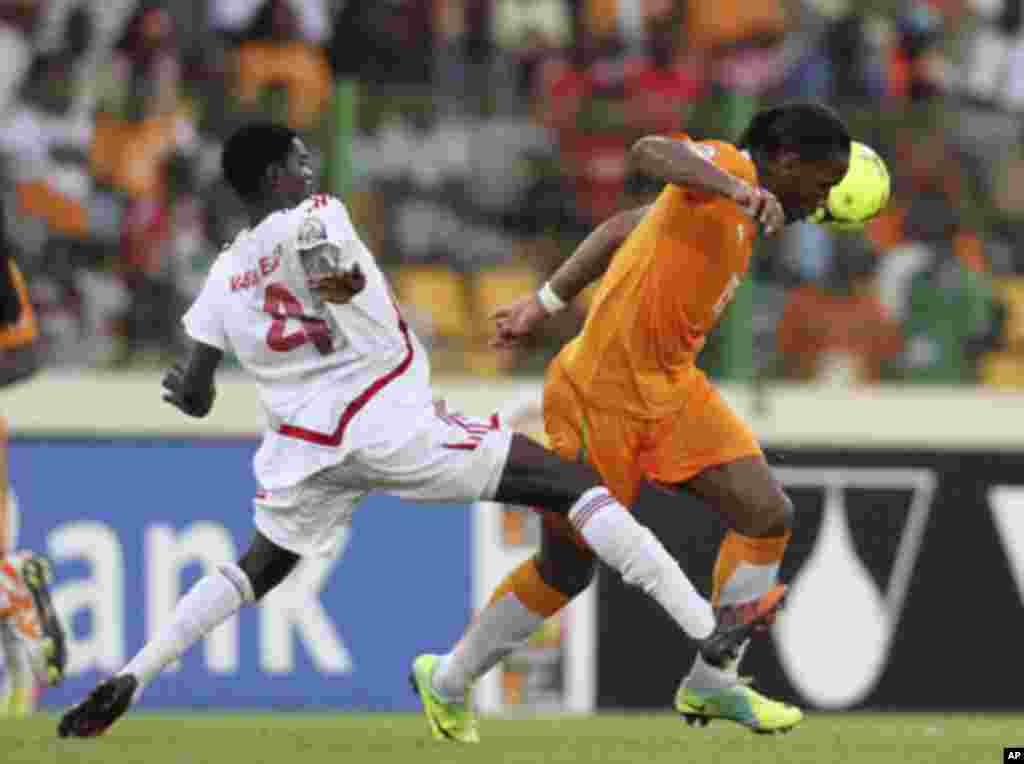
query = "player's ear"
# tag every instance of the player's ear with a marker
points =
(272, 177)
(786, 161)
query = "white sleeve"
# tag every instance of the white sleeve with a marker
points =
(338, 229)
(339, 226)
(204, 320)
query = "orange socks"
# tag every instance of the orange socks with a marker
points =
(531, 590)
(746, 567)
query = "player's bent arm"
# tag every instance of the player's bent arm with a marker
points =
(680, 163)
(19, 364)
(591, 258)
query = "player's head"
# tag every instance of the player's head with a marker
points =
(801, 150)
(264, 162)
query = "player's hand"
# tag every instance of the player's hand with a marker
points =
(339, 288)
(761, 206)
(195, 403)
(517, 321)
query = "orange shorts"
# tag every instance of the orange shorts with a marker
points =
(704, 432)
(26, 329)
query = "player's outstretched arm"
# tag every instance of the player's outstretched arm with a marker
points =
(681, 163)
(587, 263)
(190, 388)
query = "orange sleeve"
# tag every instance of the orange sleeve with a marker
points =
(725, 155)
(730, 159)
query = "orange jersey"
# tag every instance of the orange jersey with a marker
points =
(25, 330)
(665, 289)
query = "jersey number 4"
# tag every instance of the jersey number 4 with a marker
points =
(283, 305)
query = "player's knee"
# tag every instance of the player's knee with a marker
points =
(775, 515)
(259, 578)
(266, 565)
(537, 477)
(568, 575)
(788, 514)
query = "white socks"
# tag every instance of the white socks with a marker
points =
(747, 583)
(629, 547)
(17, 661)
(499, 630)
(208, 604)
(704, 677)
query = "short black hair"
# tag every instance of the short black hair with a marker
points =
(811, 130)
(250, 151)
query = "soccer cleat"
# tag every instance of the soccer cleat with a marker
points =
(448, 721)
(104, 706)
(36, 574)
(741, 704)
(736, 623)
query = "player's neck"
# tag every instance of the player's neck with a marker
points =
(259, 210)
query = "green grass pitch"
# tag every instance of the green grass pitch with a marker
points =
(344, 738)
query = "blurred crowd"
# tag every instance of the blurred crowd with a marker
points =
(477, 141)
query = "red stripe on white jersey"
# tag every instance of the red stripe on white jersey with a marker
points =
(353, 408)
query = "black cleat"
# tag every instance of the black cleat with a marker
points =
(104, 706)
(35, 572)
(696, 720)
(736, 624)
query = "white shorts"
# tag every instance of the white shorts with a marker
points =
(444, 457)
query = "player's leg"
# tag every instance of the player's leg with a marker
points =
(451, 458)
(31, 635)
(538, 478)
(19, 681)
(760, 518)
(210, 602)
(533, 592)
(19, 689)
(727, 469)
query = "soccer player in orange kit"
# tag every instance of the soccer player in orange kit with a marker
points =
(32, 640)
(626, 395)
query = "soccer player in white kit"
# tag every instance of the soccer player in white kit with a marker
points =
(346, 390)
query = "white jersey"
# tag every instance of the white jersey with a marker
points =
(331, 376)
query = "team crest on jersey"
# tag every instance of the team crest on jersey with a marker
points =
(312, 232)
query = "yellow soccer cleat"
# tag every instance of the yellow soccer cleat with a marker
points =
(448, 721)
(741, 704)
(18, 703)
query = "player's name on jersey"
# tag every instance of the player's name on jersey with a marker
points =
(251, 277)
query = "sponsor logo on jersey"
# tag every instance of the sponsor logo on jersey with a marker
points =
(706, 151)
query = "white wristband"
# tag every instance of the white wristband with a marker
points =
(550, 301)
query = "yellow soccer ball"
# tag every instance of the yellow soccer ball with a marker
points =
(860, 195)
